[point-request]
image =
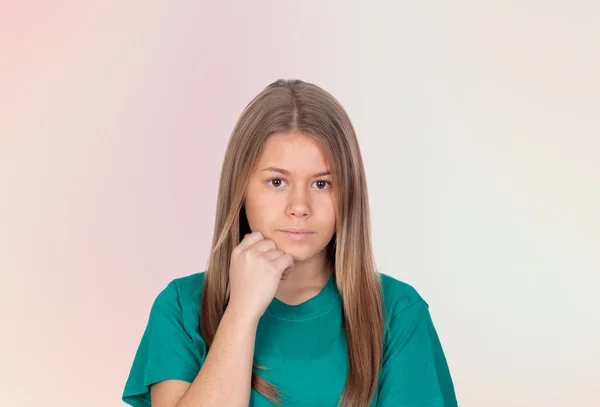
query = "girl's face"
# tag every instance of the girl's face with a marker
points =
(290, 199)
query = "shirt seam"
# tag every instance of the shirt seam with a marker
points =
(408, 307)
(283, 318)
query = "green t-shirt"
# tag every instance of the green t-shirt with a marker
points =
(303, 346)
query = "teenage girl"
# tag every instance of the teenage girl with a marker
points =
(291, 310)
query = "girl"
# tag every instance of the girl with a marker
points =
(290, 310)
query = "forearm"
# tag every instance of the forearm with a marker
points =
(225, 376)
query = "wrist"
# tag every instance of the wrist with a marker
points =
(241, 316)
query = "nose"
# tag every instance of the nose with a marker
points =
(298, 204)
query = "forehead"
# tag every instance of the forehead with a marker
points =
(295, 152)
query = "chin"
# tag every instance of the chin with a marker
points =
(301, 257)
(299, 254)
(298, 251)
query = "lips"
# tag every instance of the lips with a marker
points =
(297, 234)
(297, 230)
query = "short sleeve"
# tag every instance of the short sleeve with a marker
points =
(414, 371)
(169, 349)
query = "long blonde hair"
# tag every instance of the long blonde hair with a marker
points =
(294, 105)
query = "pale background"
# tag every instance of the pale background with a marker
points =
(480, 127)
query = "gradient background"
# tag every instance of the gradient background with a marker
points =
(480, 128)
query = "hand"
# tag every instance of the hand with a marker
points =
(256, 269)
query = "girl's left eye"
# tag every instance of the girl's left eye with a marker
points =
(322, 184)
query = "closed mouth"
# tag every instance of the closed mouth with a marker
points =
(298, 231)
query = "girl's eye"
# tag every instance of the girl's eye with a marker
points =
(322, 184)
(276, 182)
(280, 182)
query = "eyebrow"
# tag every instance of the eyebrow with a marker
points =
(285, 172)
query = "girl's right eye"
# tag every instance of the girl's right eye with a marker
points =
(275, 182)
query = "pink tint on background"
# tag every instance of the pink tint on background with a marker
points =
(478, 128)
(114, 121)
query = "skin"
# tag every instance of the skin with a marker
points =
(294, 197)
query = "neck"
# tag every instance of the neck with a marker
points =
(305, 280)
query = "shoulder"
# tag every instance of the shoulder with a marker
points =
(175, 312)
(172, 346)
(181, 294)
(398, 295)
(187, 287)
(414, 367)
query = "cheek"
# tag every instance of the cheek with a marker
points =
(260, 209)
(254, 213)
(327, 213)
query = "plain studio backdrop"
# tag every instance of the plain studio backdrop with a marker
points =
(479, 123)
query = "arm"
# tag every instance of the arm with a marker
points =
(225, 376)
(173, 366)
